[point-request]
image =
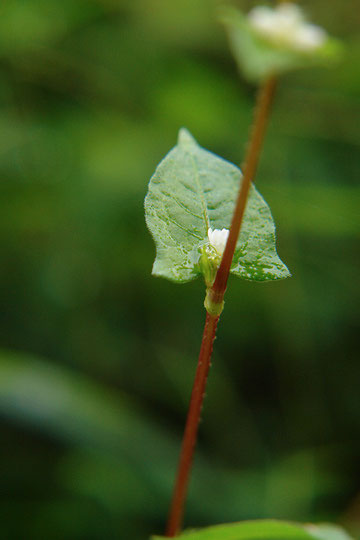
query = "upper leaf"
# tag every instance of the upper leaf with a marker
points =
(262, 530)
(193, 190)
(258, 57)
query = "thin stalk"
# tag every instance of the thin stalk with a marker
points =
(262, 109)
(264, 100)
(191, 427)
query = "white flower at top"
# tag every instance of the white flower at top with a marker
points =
(286, 25)
(218, 238)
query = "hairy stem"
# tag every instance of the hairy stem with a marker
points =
(264, 100)
(191, 427)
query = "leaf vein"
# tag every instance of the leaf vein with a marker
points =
(201, 194)
(186, 209)
(185, 229)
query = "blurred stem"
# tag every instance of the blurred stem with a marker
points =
(216, 296)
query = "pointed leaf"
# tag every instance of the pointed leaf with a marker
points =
(193, 190)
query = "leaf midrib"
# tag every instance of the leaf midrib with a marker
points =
(201, 194)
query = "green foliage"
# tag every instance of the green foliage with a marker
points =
(258, 57)
(264, 530)
(193, 190)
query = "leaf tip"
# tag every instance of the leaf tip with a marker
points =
(185, 138)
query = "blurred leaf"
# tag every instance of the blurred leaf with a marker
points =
(250, 530)
(265, 530)
(73, 407)
(193, 190)
(327, 532)
(258, 58)
(111, 431)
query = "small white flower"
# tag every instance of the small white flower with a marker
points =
(218, 238)
(286, 25)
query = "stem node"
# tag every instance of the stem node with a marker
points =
(214, 304)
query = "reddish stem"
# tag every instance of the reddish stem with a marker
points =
(191, 427)
(264, 100)
(217, 292)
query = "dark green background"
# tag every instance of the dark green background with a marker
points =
(97, 356)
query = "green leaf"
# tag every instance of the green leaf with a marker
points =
(261, 530)
(193, 190)
(248, 530)
(258, 58)
(327, 532)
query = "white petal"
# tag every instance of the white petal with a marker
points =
(309, 37)
(286, 25)
(218, 238)
(289, 14)
(262, 19)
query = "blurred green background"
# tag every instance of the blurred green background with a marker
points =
(97, 356)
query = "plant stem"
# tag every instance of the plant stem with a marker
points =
(191, 427)
(262, 109)
(217, 292)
